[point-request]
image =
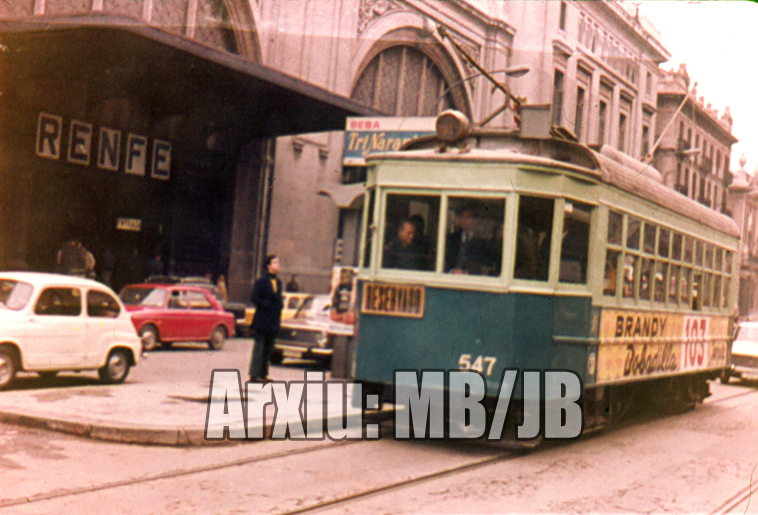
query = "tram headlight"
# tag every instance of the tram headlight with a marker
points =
(451, 126)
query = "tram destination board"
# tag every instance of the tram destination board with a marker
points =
(393, 299)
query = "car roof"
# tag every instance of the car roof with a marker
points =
(44, 278)
(188, 287)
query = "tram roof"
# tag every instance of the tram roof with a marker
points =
(499, 146)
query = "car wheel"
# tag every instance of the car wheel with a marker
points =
(149, 335)
(724, 377)
(218, 338)
(7, 368)
(116, 368)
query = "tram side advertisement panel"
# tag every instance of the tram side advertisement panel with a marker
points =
(640, 344)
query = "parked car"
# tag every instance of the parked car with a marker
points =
(291, 301)
(235, 308)
(166, 313)
(744, 352)
(50, 323)
(309, 333)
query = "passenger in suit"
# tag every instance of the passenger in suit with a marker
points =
(466, 252)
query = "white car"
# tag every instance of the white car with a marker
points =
(745, 353)
(50, 323)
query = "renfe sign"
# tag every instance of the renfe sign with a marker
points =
(107, 150)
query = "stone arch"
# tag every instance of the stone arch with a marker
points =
(413, 41)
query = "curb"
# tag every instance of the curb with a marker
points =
(134, 434)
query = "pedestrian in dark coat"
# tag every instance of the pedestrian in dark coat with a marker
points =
(267, 299)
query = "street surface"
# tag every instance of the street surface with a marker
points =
(700, 461)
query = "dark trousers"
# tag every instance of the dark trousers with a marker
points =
(262, 350)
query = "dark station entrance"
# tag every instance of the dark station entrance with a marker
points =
(137, 142)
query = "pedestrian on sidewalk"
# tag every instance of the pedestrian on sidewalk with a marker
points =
(267, 299)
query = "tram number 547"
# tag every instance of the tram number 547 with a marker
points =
(482, 364)
(695, 336)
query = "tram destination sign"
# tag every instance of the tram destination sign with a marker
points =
(382, 134)
(393, 300)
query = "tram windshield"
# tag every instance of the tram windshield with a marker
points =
(473, 234)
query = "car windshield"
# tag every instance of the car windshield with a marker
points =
(313, 307)
(143, 296)
(14, 294)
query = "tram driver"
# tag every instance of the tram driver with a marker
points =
(405, 251)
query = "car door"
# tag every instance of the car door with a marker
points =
(57, 330)
(202, 316)
(175, 325)
(102, 314)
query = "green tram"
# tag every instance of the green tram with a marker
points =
(572, 259)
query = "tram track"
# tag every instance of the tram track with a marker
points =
(70, 492)
(406, 483)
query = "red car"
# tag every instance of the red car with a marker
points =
(167, 313)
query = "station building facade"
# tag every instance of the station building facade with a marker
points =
(196, 95)
(594, 64)
(140, 128)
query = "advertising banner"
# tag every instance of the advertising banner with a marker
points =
(383, 134)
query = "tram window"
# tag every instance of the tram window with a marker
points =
(630, 270)
(725, 292)
(615, 226)
(673, 283)
(646, 278)
(659, 294)
(708, 256)
(719, 258)
(369, 228)
(633, 233)
(535, 229)
(576, 243)
(707, 289)
(688, 249)
(611, 269)
(698, 253)
(676, 246)
(410, 232)
(716, 291)
(649, 240)
(663, 242)
(697, 285)
(474, 243)
(684, 285)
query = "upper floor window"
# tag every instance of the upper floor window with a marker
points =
(557, 97)
(562, 19)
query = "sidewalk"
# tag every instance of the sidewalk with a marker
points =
(160, 414)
